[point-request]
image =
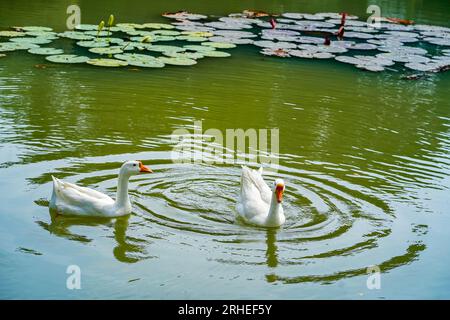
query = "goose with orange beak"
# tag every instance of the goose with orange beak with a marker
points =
(72, 200)
(258, 204)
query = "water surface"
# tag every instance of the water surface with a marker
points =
(365, 158)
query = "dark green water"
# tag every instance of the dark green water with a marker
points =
(366, 159)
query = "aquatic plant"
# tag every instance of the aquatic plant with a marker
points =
(396, 44)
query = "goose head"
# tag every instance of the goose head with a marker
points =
(278, 189)
(134, 167)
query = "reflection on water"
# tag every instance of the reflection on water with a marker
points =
(365, 158)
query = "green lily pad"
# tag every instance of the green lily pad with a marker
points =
(13, 46)
(75, 35)
(189, 55)
(86, 27)
(96, 33)
(199, 48)
(140, 60)
(33, 28)
(177, 61)
(93, 43)
(2, 55)
(128, 25)
(107, 62)
(31, 40)
(161, 48)
(42, 34)
(204, 34)
(219, 45)
(166, 33)
(192, 39)
(158, 26)
(106, 50)
(46, 51)
(216, 54)
(67, 58)
(12, 34)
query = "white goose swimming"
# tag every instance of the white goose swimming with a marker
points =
(70, 199)
(258, 204)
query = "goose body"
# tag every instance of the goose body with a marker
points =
(257, 203)
(70, 199)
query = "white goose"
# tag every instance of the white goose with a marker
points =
(258, 204)
(70, 199)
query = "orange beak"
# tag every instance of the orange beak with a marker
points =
(144, 169)
(279, 192)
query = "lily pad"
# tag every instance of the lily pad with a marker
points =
(191, 39)
(293, 15)
(275, 45)
(189, 55)
(198, 34)
(157, 26)
(106, 50)
(216, 54)
(228, 26)
(363, 46)
(177, 61)
(107, 62)
(46, 51)
(12, 46)
(76, 35)
(199, 48)
(301, 54)
(161, 48)
(12, 34)
(420, 67)
(67, 58)
(96, 33)
(31, 40)
(323, 55)
(234, 34)
(140, 60)
(231, 40)
(219, 45)
(282, 53)
(34, 28)
(86, 27)
(184, 15)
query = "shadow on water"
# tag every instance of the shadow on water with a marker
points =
(127, 249)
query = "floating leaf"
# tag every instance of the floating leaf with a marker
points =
(204, 34)
(86, 27)
(11, 34)
(199, 48)
(219, 45)
(231, 40)
(177, 61)
(75, 35)
(33, 28)
(184, 15)
(46, 51)
(11, 46)
(106, 50)
(67, 58)
(158, 26)
(107, 62)
(275, 45)
(161, 48)
(323, 55)
(189, 55)
(191, 38)
(140, 60)
(2, 55)
(216, 54)
(31, 40)
(275, 52)
(96, 33)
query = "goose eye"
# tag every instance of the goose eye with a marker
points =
(134, 165)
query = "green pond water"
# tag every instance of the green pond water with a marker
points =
(365, 156)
